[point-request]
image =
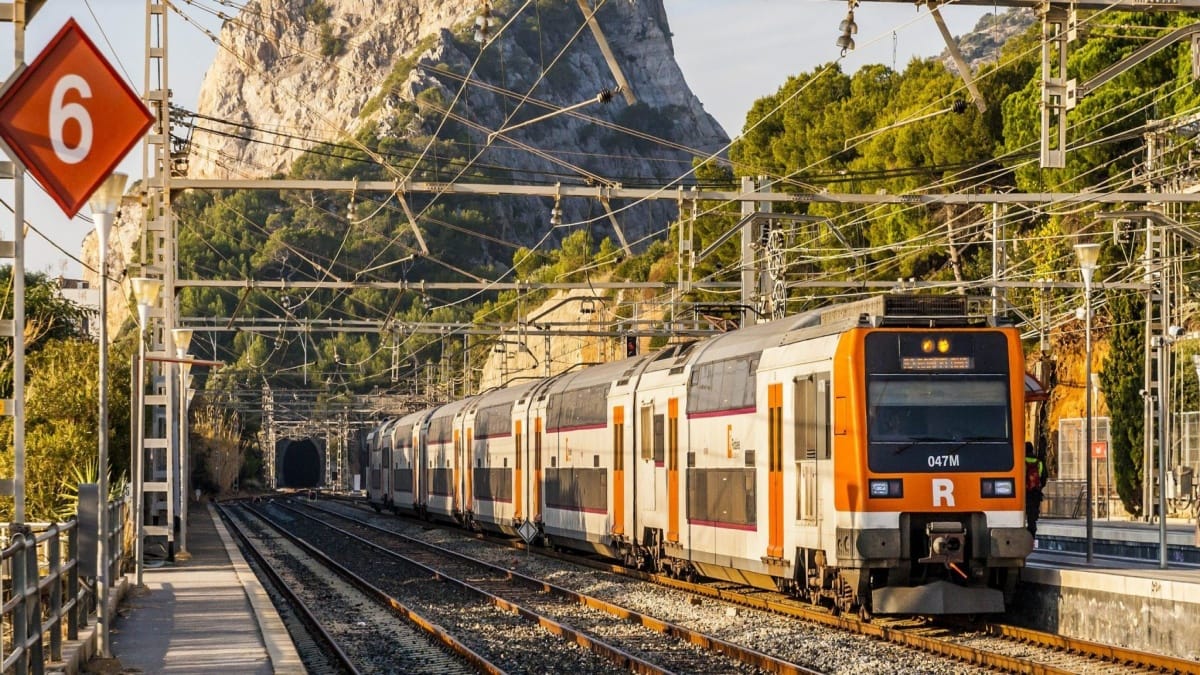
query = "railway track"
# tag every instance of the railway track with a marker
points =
(318, 650)
(345, 629)
(630, 640)
(988, 646)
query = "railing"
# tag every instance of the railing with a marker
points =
(1065, 499)
(44, 598)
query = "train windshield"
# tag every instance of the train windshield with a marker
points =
(949, 413)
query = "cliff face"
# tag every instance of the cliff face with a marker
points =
(302, 71)
(982, 45)
(294, 71)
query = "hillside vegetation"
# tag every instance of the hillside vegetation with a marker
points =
(874, 131)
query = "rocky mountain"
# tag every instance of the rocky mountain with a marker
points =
(298, 73)
(982, 45)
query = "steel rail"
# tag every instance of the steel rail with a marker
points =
(1110, 653)
(395, 605)
(971, 655)
(783, 605)
(610, 652)
(306, 615)
(704, 641)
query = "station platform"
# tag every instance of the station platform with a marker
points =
(204, 613)
(1124, 596)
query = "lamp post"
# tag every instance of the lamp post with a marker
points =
(1088, 255)
(104, 203)
(145, 292)
(182, 338)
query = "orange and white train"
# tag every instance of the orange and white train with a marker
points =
(865, 456)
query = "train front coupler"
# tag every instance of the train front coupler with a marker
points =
(947, 545)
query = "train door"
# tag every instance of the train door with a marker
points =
(386, 464)
(673, 470)
(469, 463)
(618, 469)
(518, 447)
(536, 502)
(423, 467)
(812, 453)
(775, 470)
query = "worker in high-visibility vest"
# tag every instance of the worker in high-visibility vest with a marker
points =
(1035, 480)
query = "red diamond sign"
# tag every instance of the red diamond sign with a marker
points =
(70, 118)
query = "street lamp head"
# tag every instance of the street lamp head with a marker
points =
(107, 197)
(1088, 255)
(145, 292)
(182, 338)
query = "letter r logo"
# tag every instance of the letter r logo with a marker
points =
(943, 492)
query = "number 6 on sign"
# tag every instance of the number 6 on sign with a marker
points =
(69, 118)
(61, 113)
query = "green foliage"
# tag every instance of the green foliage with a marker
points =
(62, 422)
(331, 44)
(1120, 379)
(401, 70)
(48, 316)
(317, 12)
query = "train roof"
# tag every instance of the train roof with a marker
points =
(412, 418)
(752, 339)
(452, 409)
(604, 373)
(505, 395)
(387, 425)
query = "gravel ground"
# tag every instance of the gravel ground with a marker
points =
(812, 646)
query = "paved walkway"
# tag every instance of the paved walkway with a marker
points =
(205, 613)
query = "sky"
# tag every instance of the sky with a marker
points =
(732, 52)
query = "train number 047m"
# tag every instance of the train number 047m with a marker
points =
(943, 461)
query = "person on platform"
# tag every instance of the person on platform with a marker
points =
(1035, 480)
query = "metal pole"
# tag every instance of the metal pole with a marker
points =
(139, 450)
(103, 222)
(1162, 453)
(1087, 449)
(184, 473)
(18, 283)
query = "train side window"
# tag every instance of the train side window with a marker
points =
(660, 426)
(824, 444)
(647, 432)
(806, 418)
(812, 417)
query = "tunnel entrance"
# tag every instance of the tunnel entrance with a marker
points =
(300, 463)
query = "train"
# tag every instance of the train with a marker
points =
(867, 456)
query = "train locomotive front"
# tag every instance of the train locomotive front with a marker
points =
(928, 468)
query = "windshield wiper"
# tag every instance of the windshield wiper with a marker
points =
(915, 440)
(975, 439)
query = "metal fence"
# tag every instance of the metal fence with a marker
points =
(1064, 496)
(1188, 424)
(44, 597)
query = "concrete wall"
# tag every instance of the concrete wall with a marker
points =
(1137, 612)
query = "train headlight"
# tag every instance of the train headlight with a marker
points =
(997, 487)
(884, 489)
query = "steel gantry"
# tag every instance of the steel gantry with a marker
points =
(763, 283)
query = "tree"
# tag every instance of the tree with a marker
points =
(62, 424)
(1120, 379)
(48, 316)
